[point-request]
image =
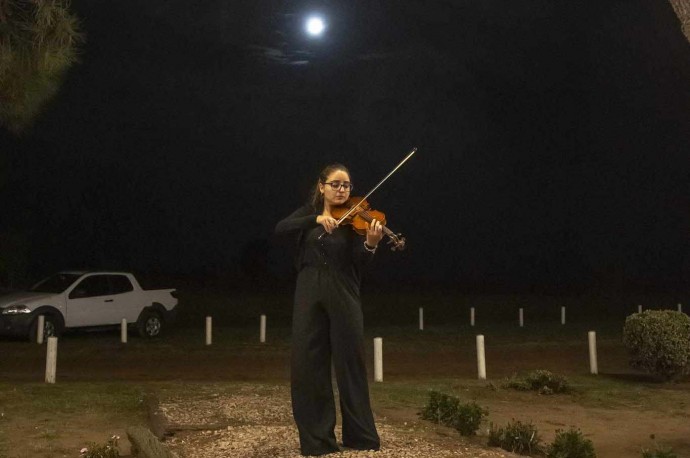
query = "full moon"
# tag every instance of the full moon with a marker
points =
(315, 26)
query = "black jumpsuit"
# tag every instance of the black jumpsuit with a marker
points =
(327, 321)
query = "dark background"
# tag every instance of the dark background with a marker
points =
(553, 143)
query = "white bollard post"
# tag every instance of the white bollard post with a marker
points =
(471, 316)
(562, 315)
(123, 331)
(209, 330)
(378, 359)
(51, 359)
(262, 331)
(522, 317)
(680, 308)
(639, 309)
(592, 337)
(40, 329)
(421, 318)
(481, 358)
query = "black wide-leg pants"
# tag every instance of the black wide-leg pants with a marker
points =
(327, 323)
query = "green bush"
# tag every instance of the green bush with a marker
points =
(107, 450)
(539, 380)
(658, 342)
(449, 411)
(571, 444)
(516, 437)
(659, 453)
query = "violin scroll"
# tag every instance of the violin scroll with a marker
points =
(397, 240)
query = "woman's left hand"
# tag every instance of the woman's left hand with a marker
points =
(374, 233)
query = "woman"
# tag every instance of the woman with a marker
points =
(327, 320)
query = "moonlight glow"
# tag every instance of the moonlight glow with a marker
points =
(315, 26)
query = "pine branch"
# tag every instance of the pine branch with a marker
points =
(682, 9)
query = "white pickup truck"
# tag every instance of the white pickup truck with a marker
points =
(86, 300)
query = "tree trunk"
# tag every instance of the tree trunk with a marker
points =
(682, 9)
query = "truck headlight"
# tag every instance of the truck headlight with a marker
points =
(16, 310)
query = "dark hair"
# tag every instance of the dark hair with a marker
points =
(316, 199)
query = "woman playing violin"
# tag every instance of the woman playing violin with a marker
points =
(327, 322)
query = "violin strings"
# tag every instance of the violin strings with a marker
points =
(368, 219)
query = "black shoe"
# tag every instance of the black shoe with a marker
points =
(320, 453)
(370, 448)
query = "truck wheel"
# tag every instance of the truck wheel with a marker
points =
(150, 324)
(52, 327)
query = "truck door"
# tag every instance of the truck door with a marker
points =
(90, 303)
(126, 301)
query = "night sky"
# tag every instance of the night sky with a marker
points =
(553, 137)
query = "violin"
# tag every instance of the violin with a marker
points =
(358, 213)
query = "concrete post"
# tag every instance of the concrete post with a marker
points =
(51, 359)
(40, 330)
(123, 331)
(262, 330)
(593, 367)
(481, 358)
(209, 330)
(378, 359)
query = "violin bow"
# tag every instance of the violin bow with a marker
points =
(414, 150)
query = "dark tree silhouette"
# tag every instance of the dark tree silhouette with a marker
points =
(38, 43)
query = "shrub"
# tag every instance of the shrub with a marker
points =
(571, 444)
(658, 342)
(516, 437)
(539, 380)
(107, 450)
(659, 453)
(449, 411)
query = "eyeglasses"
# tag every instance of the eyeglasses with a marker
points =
(335, 185)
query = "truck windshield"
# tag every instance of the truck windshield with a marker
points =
(55, 284)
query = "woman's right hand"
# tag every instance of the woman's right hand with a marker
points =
(328, 222)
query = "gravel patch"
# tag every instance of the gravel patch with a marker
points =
(282, 442)
(257, 422)
(249, 406)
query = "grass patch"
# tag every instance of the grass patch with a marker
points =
(586, 391)
(49, 434)
(611, 393)
(204, 390)
(70, 398)
(3, 439)
(41, 420)
(408, 394)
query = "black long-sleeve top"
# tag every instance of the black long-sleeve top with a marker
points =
(342, 250)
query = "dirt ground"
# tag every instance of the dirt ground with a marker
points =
(31, 437)
(620, 430)
(218, 424)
